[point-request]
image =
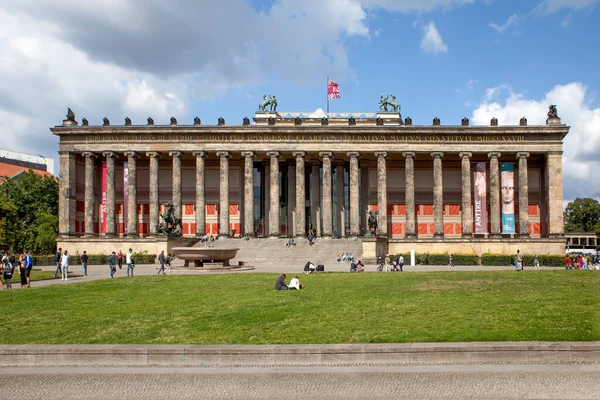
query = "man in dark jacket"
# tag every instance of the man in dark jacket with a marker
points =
(280, 283)
(161, 261)
(84, 262)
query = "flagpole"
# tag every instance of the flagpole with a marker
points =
(328, 97)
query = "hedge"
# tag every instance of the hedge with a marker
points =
(439, 259)
(94, 259)
(502, 260)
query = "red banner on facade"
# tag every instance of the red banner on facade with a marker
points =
(480, 204)
(103, 230)
(333, 90)
(125, 195)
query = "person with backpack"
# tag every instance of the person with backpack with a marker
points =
(111, 264)
(57, 261)
(84, 261)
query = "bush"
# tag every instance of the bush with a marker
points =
(93, 259)
(496, 260)
(466, 259)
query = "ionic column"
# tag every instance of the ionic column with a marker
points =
(153, 193)
(555, 194)
(467, 213)
(300, 194)
(315, 196)
(223, 193)
(291, 198)
(495, 225)
(266, 196)
(177, 155)
(274, 195)
(89, 193)
(381, 193)
(364, 196)
(354, 198)
(248, 193)
(409, 190)
(438, 195)
(327, 194)
(132, 214)
(110, 193)
(200, 214)
(66, 198)
(523, 195)
(340, 223)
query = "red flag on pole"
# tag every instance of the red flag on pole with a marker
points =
(333, 90)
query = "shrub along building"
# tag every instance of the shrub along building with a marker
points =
(437, 188)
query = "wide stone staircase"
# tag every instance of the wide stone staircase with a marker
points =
(267, 254)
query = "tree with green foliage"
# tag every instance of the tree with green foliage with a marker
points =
(583, 215)
(29, 213)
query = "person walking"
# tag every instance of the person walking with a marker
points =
(536, 262)
(129, 262)
(518, 261)
(120, 259)
(7, 272)
(28, 267)
(111, 264)
(452, 262)
(168, 263)
(64, 264)
(57, 257)
(161, 261)
(84, 261)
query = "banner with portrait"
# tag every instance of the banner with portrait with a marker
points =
(103, 229)
(480, 204)
(507, 181)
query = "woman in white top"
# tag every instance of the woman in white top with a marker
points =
(295, 284)
(65, 266)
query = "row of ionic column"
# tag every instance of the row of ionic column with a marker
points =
(300, 217)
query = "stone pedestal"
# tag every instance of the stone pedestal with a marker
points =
(553, 121)
(390, 118)
(262, 117)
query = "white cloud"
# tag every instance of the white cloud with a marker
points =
(414, 5)
(501, 28)
(552, 6)
(581, 158)
(432, 41)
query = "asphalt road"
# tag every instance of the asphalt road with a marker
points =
(456, 381)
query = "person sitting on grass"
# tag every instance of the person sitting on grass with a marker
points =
(295, 284)
(280, 283)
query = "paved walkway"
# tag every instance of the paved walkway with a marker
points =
(96, 272)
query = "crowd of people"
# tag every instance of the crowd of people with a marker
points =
(11, 266)
(581, 262)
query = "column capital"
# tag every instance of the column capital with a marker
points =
(153, 154)
(325, 154)
(465, 154)
(299, 154)
(437, 154)
(88, 154)
(108, 154)
(380, 154)
(176, 154)
(248, 154)
(522, 154)
(494, 155)
(352, 154)
(409, 154)
(223, 154)
(132, 154)
(273, 154)
(199, 153)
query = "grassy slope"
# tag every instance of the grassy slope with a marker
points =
(335, 308)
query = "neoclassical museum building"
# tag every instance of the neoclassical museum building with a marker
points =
(432, 188)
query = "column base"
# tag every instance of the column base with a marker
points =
(467, 235)
(410, 236)
(523, 235)
(495, 236)
(438, 235)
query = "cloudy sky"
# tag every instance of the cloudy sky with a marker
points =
(212, 58)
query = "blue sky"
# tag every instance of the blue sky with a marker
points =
(444, 58)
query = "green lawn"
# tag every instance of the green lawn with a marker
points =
(334, 308)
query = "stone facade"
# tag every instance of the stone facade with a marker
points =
(280, 179)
